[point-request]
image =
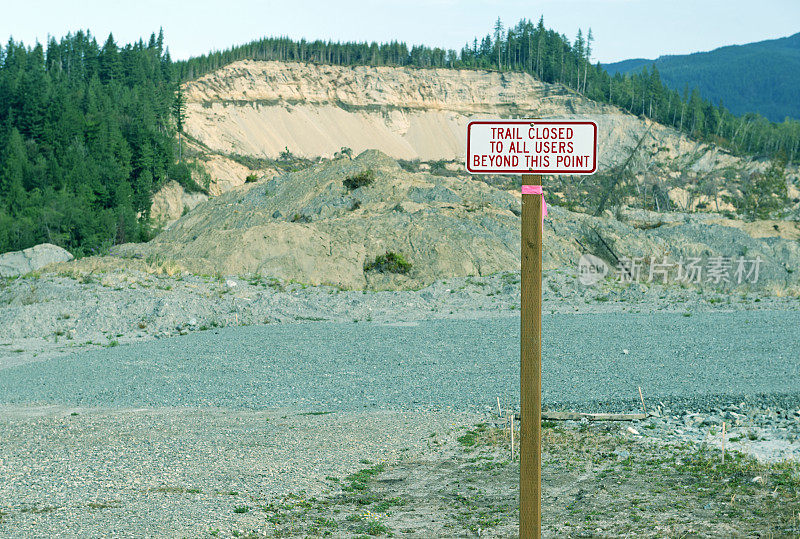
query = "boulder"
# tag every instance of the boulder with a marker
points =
(31, 259)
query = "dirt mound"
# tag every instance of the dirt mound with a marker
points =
(311, 227)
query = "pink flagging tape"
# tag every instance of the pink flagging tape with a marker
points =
(536, 190)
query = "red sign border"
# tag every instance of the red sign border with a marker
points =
(534, 171)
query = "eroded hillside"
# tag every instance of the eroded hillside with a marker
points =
(262, 108)
(255, 118)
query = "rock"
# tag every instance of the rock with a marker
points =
(21, 262)
(193, 321)
(171, 202)
(230, 284)
(633, 431)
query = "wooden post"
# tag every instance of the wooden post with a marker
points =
(641, 398)
(723, 442)
(530, 465)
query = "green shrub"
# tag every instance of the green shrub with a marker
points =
(390, 262)
(300, 218)
(361, 179)
(251, 178)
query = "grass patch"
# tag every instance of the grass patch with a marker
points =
(373, 528)
(360, 480)
(103, 505)
(384, 505)
(471, 438)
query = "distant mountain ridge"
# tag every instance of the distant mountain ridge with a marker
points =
(759, 77)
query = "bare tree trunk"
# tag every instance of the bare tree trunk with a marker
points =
(622, 170)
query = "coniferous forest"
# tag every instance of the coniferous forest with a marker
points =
(88, 132)
(86, 137)
(756, 77)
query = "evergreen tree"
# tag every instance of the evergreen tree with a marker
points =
(498, 40)
(179, 112)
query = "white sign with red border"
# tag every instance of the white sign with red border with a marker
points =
(531, 147)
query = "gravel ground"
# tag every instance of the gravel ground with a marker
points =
(136, 405)
(49, 314)
(769, 433)
(593, 361)
(83, 472)
(79, 472)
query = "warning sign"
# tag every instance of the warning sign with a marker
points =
(531, 147)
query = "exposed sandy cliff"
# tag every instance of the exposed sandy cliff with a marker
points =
(261, 108)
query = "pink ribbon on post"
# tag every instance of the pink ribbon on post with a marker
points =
(536, 190)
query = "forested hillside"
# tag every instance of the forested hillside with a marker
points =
(86, 137)
(759, 77)
(88, 131)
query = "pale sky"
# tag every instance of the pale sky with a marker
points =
(622, 28)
